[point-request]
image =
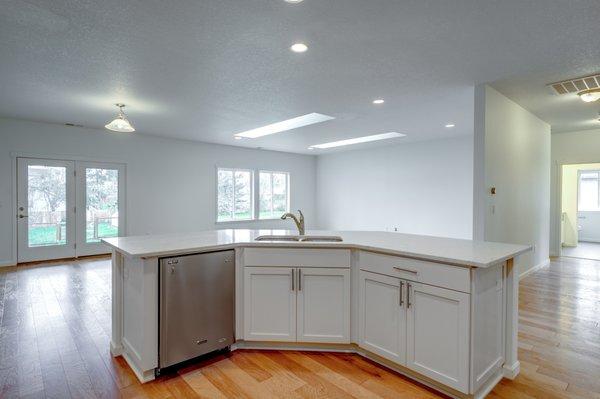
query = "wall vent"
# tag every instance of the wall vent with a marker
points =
(576, 85)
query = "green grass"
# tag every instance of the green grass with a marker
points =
(226, 217)
(46, 235)
(104, 230)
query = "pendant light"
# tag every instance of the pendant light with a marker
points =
(120, 123)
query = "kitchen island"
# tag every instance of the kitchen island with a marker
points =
(441, 311)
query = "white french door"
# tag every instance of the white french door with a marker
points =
(100, 197)
(46, 209)
(66, 207)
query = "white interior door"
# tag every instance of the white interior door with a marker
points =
(100, 205)
(45, 209)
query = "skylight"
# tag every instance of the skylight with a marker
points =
(300, 121)
(358, 140)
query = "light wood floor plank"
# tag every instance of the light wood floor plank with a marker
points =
(55, 331)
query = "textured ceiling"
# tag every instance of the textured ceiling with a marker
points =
(206, 69)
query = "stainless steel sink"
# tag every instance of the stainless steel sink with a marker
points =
(299, 238)
(321, 239)
(277, 238)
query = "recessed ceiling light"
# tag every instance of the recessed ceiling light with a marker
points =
(294, 1)
(589, 96)
(379, 101)
(120, 124)
(289, 124)
(358, 140)
(238, 137)
(299, 47)
(450, 125)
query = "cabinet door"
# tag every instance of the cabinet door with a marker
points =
(323, 305)
(269, 304)
(382, 316)
(438, 334)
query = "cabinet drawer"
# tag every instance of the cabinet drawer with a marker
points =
(297, 257)
(438, 274)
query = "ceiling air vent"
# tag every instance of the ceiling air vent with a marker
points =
(576, 85)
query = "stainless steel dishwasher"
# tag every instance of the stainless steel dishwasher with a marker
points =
(196, 305)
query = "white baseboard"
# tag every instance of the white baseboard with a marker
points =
(534, 268)
(6, 263)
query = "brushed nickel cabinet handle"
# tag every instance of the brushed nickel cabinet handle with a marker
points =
(299, 279)
(407, 295)
(406, 270)
(401, 299)
(293, 279)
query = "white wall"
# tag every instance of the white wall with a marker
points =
(170, 183)
(421, 188)
(513, 147)
(568, 148)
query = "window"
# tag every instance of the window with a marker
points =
(273, 194)
(589, 189)
(234, 195)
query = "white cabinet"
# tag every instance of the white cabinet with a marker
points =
(419, 326)
(323, 297)
(297, 304)
(438, 334)
(382, 316)
(269, 304)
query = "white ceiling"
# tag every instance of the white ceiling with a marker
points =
(206, 69)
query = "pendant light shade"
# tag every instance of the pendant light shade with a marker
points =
(120, 123)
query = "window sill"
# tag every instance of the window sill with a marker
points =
(245, 221)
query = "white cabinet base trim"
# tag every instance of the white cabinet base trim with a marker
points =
(512, 371)
(132, 359)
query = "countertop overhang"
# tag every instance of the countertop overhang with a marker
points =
(468, 253)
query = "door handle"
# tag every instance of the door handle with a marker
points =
(293, 278)
(407, 295)
(406, 270)
(401, 301)
(21, 216)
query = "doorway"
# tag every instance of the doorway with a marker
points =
(64, 208)
(580, 211)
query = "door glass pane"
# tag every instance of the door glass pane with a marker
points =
(588, 193)
(224, 195)
(243, 198)
(266, 196)
(279, 193)
(47, 205)
(101, 204)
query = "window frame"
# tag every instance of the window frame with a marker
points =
(579, 172)
(287, 186)
(252, 194)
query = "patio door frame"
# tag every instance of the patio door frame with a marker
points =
(76, 208)
(30, 254)
(84, 248)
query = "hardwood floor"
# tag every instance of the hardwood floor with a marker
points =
(55, 328)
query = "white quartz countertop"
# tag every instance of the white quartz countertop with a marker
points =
(439, 249)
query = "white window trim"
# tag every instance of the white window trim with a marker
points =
(579, 172)
(287, 185)
(255, 194)
(252, 194)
